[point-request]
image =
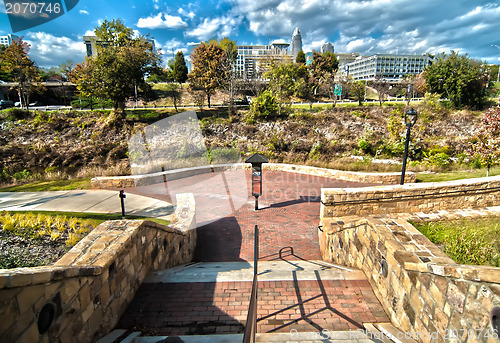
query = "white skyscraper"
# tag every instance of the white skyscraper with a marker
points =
(327, 47)
(296, 42)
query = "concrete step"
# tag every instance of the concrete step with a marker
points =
(293, 337)
(243, 271)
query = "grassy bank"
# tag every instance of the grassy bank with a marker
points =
(38, 238)
(469, 241)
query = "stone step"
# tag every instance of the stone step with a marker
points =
(378, 332)
(243, 271)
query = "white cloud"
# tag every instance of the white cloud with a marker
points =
(162, 21)
(189, 14)
(215, 27)
(83, 12)
(372, 26)
(48, 50)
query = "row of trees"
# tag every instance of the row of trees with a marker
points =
(16, 66)
(124, 61)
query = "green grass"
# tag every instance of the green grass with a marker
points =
(469, 241)
(43, 186)
(38, 238)
(456, 175)
(97, 217)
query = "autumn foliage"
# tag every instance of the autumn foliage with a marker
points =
(485, 144)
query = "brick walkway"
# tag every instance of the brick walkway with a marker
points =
(288, 217)
(208, 308)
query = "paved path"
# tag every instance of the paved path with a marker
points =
(288, 217)
(296, 290)
(213, 298)
(96, 201)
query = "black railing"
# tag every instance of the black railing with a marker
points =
(251, 323)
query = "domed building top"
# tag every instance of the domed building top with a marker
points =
(296, 32)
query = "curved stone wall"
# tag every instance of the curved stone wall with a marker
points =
(129, 181)
(82, 297)
(423, 291)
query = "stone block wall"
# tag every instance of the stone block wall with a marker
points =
(87, 291)
(422, 290)
(408, 198)
(115, 182)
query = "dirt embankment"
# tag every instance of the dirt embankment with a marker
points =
(82, 143)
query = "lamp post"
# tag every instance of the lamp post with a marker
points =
(410, 119)
(256, 160)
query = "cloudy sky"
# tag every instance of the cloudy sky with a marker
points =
(364, 26)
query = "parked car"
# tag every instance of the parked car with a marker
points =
(6, 104)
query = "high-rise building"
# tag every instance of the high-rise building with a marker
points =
(91, 43)
(296, 43)
(327, 47)
(8, 39)
(388, 67)
(252, 58)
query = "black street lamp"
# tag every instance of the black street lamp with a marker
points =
(410, 120)
(256, 160)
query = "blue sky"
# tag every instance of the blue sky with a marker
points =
(364, 26)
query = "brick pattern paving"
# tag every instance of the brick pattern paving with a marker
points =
(288, 216)
(208, 308)
(288, 219)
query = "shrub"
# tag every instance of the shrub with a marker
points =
(364, 145)
(16, 114)
(23, 175)
(265, 106)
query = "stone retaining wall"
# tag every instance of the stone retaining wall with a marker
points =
(87, 291)
(408, 198)
(423, 291)
(129, 181)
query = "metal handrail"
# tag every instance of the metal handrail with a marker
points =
(251, 323)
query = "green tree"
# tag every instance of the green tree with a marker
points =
(459, 78)
(382, 87)
(209, 72)
(24, 73)
(231, 51)
(358, 90)
(120, 67)
(4, 75)
(180, 70)
(323, 69)
(301, 57)
(485, 144)
(265, 106)
(282, 77)
(173, 91)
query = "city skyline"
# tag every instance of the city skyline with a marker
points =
(367, 27)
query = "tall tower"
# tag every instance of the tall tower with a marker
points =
(327, 47)
(296, 43)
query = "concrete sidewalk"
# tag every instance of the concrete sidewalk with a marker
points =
(94, 201)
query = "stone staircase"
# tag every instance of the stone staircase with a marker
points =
(297, 299)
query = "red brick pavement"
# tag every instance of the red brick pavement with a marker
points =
(208, 308)
(288, 217)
